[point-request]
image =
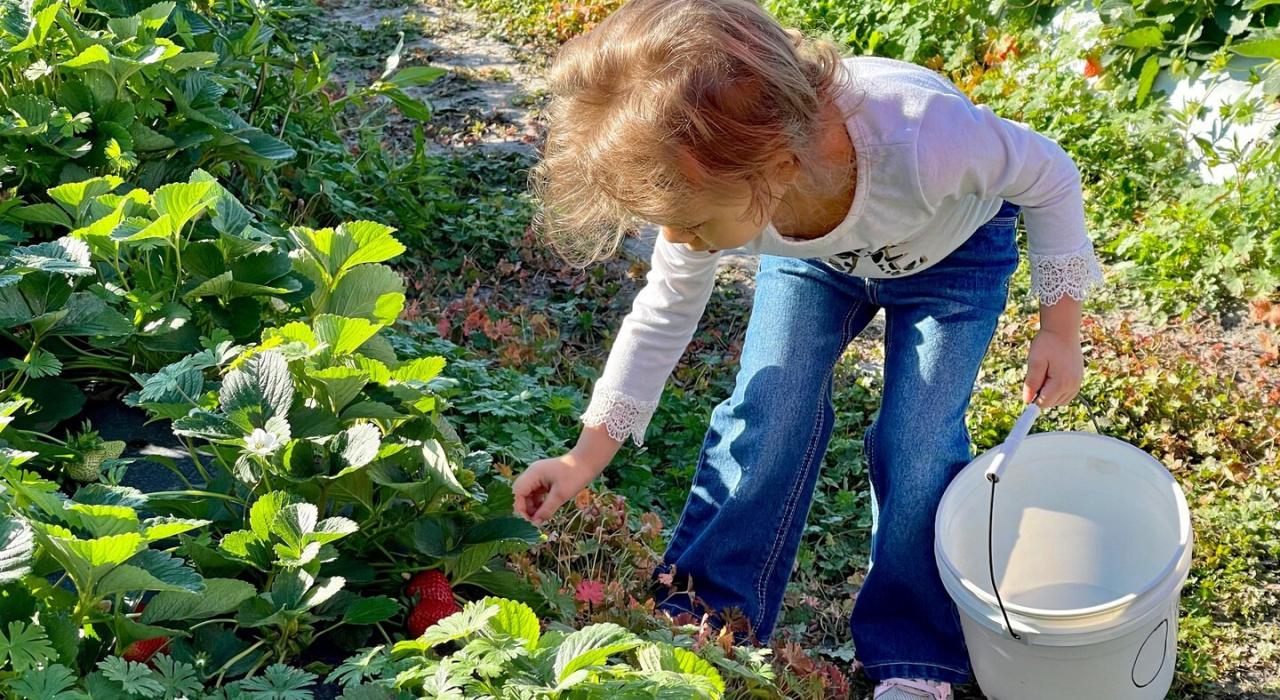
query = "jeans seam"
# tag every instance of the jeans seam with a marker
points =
(762, 583)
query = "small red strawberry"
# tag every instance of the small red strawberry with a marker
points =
(430, 612)
(430, 585)
(143, 649)
(1092, 67)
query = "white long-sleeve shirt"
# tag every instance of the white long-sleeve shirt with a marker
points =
(931, 168)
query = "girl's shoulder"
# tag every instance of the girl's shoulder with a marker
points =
(889, 78)
(887, 99)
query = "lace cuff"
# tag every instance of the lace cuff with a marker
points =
(1073, 274)
(621, 415)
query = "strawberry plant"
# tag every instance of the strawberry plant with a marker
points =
(503, 651)
(120, 97)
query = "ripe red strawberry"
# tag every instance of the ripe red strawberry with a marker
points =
(430, 585)
(1092, 67)
(430, 612)
(143, 649)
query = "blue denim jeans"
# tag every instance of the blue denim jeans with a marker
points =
(737, 538)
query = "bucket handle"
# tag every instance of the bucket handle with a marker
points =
(998, 464)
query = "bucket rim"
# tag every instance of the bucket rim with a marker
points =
(1185, 537)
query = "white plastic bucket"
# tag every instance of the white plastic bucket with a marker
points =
(1091, 545)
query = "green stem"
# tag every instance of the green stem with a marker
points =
(195, 457)
(196, 493)
(202, 623)
(233, 660)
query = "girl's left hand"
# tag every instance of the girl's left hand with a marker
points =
(1055, 368)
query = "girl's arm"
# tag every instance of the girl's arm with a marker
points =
(967, 150)
(1055, 365)
(650, 341)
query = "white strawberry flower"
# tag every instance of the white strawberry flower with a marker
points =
(261, 442)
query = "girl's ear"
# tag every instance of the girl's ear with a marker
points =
(786, 169)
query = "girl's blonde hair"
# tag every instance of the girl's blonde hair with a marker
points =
(662, 89)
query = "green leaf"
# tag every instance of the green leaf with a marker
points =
(53, 682)
(134, 677)
(367, 611)
(103, 520)
(36, 27)
(183, 201)
(179, 679)
(414, 76)
(42, 213)
(261, 386)
(26, 647)
(358, 292)
(323, 591)
(1150, 68)
(1260, 45)
(592, 646)
(43, 363)
(331, 529)
(17, 546)
(206, 425)
(105, 551)
(358, 445)
(166, 526)
(93, 56)
(279, 682)
(265, 510)
(516, 620)
(220, 595)
(181, 382)
(1142, 38)
(439, 468)
(504, 529)
(161, 227)
(244, 545)
(422, 369)
(343, 335)
(68, 256)
(374, 243)
(151, 570)
(79, 195)
(89, 316)
(293, 522)
(411, 107)
(1259, 4)
(341, 385)
(663, 657)
(34, 296)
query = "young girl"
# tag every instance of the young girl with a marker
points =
(864, 184)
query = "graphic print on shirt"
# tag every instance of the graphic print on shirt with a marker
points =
(883, 258)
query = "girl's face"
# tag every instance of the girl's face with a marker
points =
(727, 220)
(718, 226)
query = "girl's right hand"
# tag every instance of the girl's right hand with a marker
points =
(548, 483)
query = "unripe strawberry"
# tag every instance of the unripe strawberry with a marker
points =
(88, 468)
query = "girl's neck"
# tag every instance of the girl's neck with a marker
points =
(817, 203)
